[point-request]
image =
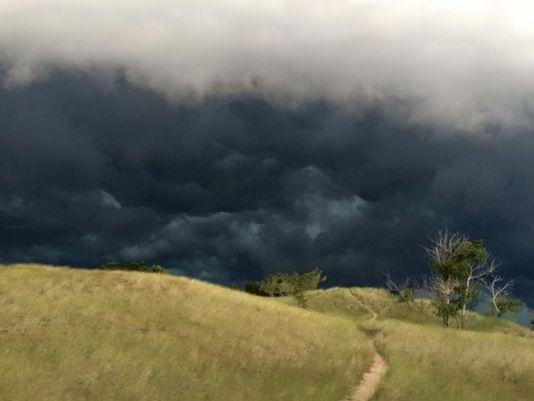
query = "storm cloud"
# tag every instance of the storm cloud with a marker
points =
(234, 188)
(227, 140)
(463, 65)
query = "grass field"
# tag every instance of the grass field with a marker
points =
(493, 360)
(74, 334)
(430, 363)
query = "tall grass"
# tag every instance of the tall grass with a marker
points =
(432, 363)
(70, 334)
(493, 360)
(358, 303)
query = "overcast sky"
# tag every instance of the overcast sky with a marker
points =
(229, 139)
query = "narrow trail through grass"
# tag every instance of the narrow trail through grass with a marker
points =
(492, 360)
(371, 379)
(374, 315)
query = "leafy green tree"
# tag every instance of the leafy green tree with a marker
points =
(293, 284)
(460, 267)
(457, 264)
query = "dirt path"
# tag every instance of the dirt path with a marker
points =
(367, 387)
(371, 379)
(374, 315)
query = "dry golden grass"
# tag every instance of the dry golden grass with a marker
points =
(71, 334)
(493, 360)
(358, 303)
(432, 363)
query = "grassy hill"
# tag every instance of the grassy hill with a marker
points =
(493, 360)
(73, 334)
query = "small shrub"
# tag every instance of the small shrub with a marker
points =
(255, 288)
(158, 269)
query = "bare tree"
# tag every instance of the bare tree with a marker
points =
(407, 290)
(477, 273)
(442, 282)
(499, 291)
(402, 288)
(442, 247)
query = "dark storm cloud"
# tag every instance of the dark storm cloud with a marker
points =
(232, 188)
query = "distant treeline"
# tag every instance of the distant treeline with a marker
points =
(134, 266)
(284, 284)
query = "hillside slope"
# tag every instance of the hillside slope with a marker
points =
(491, 361)
(72, 334)
(436, 364)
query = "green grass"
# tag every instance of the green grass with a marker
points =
(72, 334)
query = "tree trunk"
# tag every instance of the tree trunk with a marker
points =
(495, 307)
(465, 299)
(462, 315)
(446, 315)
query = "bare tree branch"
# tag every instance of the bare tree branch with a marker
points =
(499, 290)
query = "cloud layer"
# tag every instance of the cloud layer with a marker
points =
(229, 139)
(456, 64)
(232, 189)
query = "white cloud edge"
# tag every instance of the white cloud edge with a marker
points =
(456, 64)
